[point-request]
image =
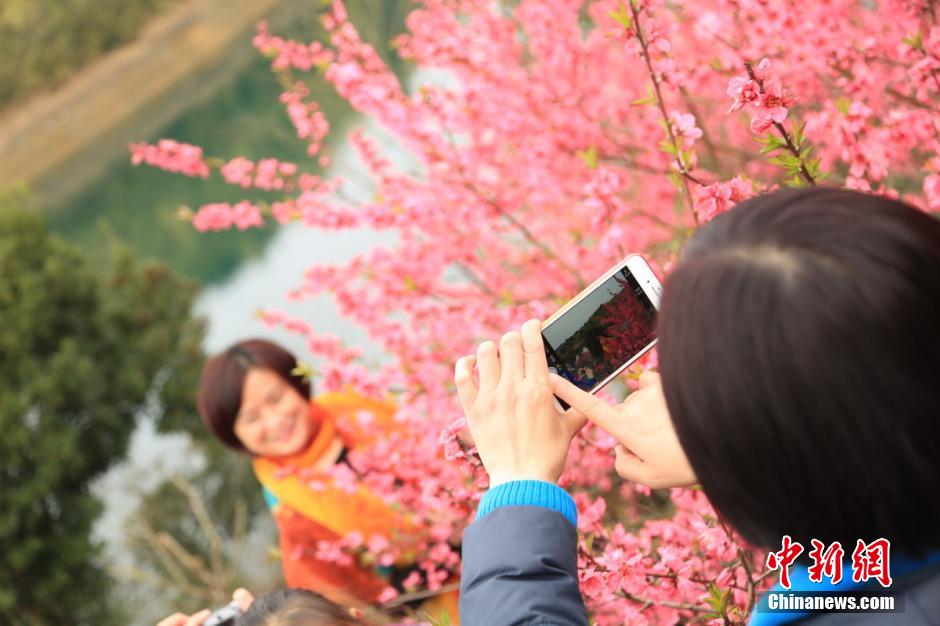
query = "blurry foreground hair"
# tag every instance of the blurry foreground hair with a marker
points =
(296, 607)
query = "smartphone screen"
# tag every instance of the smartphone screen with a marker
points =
(609, 327)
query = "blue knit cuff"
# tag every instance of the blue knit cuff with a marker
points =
(529, 493)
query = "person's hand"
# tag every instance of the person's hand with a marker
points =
(242, 597)
(649, 452)
(512, 416)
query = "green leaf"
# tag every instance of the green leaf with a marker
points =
(667, 146)
(771, 143)
(304, 370)
(915, 41)
(785, 160)
(676, 178)
(767, 149)
(843, 104)
(623, 17)
(649, 99)
(798, 133)
(589, 156)
(718, 598)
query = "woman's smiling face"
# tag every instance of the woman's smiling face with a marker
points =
(273, 420)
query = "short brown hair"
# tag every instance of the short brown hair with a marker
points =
(223, 376)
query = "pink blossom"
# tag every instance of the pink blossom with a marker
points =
(932, 191)
(534, 167)
(719, 197)
(744, 91)
(683, 124)
(763, 91)
(171, 156)
(388, 594)
(213, 217)
(238, 171)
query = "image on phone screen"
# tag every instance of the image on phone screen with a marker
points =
(597, 336)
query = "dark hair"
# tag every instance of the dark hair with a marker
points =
(800, 353)
(295, 607)
(220, 388)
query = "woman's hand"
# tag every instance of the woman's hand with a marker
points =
(512, 416)
(242, 597)
(649, 452)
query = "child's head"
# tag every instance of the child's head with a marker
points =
(296, 607)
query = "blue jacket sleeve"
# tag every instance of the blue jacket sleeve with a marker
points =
(520, 568)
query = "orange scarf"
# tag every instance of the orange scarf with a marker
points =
(310, 508)
(290, 478)
(305, 515)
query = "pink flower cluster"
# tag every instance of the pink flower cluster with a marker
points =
(683, 125)
(267, 174)
(307, 118)
(764, 92)
(538, 161)
(222, 216)
(171, 156)
(719, 197)
(288, 54)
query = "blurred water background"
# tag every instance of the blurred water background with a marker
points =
(230, 108)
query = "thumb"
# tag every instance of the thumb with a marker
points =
(590, 406)
(243, 598)
(196, 619)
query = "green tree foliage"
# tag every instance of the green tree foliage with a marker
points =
(50, 39)
(81, 351)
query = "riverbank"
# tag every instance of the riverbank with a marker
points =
(59, 142)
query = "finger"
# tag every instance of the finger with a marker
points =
(463, 377)
(510, 358)
(196, 619)
(243, 598)
(575, 420)
(649, 378)
(488, 365)
(630, 467)
(533, 351)
(589, 405)
(177, 619)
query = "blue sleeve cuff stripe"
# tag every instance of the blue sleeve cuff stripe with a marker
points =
(529, 493)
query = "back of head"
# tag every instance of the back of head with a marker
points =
(295, 607)
(800, 352)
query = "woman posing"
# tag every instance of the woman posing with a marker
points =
(252, 398)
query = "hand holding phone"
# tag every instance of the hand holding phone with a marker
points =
(517, 431)
(225, 616)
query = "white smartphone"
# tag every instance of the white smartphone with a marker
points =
(606, 327)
